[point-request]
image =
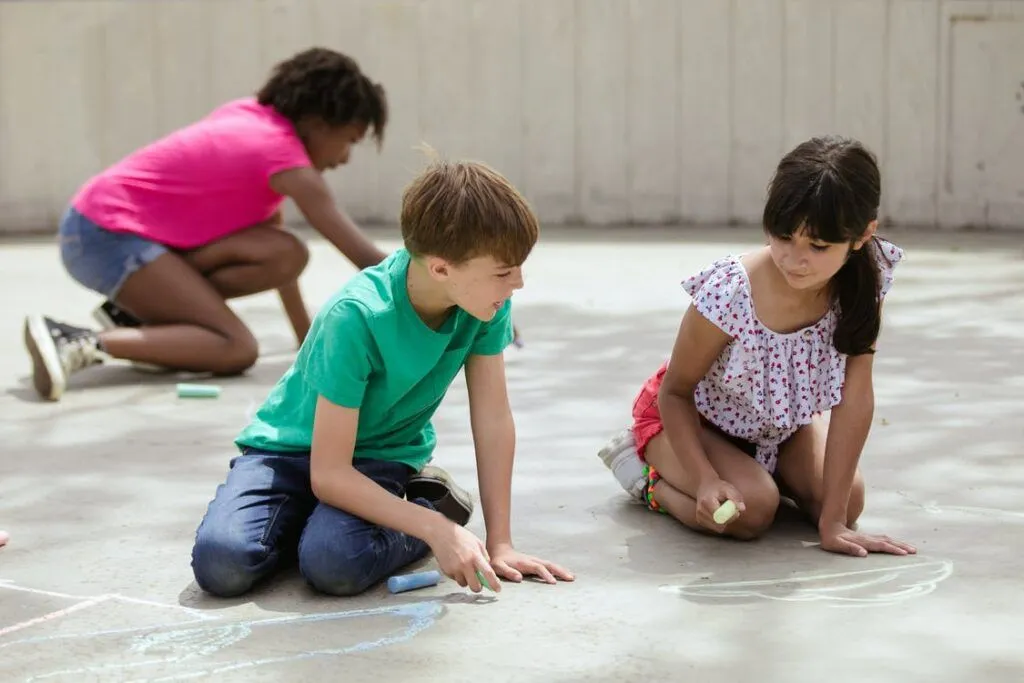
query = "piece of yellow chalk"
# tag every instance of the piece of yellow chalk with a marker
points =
(724, 513)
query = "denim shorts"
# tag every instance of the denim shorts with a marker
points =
(100, 259)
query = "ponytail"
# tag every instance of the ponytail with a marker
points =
(858, 293)
(830, 187)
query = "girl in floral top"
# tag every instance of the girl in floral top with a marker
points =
(774, 342)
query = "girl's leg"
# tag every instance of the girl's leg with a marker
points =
(801, 469)
(676, 491)
(257, 259)
(187, 325)
(179, 299)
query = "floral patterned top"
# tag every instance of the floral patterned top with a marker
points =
(765, 385)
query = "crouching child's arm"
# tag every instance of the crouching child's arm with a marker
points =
(335, 361)
(494, 438)
(337, 483)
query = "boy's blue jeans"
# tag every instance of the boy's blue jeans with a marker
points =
(265, 515)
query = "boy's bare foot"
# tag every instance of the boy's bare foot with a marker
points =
(4, 537)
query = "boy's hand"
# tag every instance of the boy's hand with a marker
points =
(461, 555)
(511, 564)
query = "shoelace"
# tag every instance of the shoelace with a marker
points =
(78, 352)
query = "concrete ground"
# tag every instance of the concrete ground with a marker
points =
(102, 493)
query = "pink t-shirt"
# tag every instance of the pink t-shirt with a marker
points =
(200, 183)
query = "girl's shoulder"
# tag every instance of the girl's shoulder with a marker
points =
(721, 293)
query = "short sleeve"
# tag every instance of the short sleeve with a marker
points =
(720, 294)
(495, 334)
(335, 357)
(283, 152)
(887, 255)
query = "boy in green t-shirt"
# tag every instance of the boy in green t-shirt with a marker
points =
(334, 467)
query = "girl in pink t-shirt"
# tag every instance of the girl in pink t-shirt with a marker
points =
(769, 383)
(171, 232)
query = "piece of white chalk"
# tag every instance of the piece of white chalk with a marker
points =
(725, 512)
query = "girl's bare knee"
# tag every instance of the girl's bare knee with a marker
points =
(285, 256)
(294, 256)
(282, 256)
(241, 355)
(761, 506)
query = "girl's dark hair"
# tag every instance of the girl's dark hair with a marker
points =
(328, 85)
(830, 187)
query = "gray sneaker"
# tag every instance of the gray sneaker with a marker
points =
(437, 486)
(620, 456)
(58, 351)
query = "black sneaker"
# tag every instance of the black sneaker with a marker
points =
(109, 316)
(447, 497)
(58, 350)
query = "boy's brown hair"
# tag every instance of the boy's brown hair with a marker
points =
(460, 210)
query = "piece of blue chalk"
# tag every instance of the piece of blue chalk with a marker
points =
(408, 582)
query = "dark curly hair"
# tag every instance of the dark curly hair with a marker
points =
(328, 85)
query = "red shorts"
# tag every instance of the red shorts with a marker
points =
(647, 417)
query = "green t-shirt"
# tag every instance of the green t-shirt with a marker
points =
(368, 349)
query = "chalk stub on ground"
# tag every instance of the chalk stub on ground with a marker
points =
(186, 390)
(407, 582)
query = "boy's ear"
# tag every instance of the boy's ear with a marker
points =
(438, 268)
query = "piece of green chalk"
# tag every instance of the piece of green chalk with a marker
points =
(186, 390)
(483, 581)
(725, 512)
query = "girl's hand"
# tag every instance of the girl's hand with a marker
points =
(710, 496)
(838, 538)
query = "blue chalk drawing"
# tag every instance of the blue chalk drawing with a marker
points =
(182, 650)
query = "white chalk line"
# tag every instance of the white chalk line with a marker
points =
(940, 570)
(53, 594)
(53, 615)
(987, 512)
(85, 601)
(934, 508)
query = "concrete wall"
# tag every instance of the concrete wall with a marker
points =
(601, 110)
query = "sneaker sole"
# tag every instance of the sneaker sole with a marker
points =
(435, 485)
(47, 371)
(615, 447)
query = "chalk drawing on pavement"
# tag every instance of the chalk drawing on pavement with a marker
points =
(860, 587)
(195, 644)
